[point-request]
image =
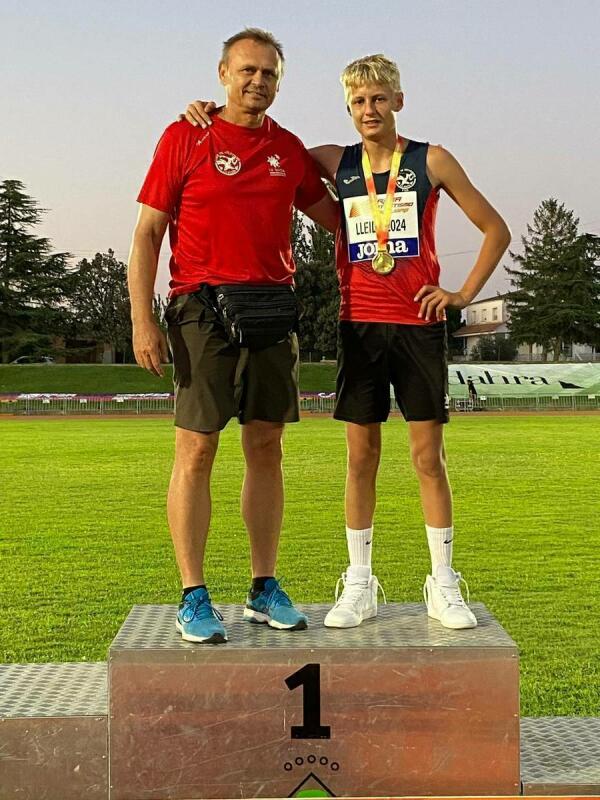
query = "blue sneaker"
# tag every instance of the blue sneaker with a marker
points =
(274, 607)
(198, 621)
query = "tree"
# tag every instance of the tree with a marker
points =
(496, 347)
(306, 281)
(316, 286)
(101, 301)
(299, 239)
(322, 255)
(34, 282)
(159, 306)
(579, 316)
(556, 301)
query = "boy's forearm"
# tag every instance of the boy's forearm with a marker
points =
(493, 248)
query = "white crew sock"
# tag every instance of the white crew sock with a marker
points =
(440, 546)
(359, 546)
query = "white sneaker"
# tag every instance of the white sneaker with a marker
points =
(444, 600)
(358, 600)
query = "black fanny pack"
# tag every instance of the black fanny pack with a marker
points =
(256, 316)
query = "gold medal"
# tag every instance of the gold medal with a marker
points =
(383, 263)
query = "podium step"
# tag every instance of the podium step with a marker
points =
(398, 706)
(53, 730)
(560, 755)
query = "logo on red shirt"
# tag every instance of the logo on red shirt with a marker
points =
(228, 163)
(275, 167)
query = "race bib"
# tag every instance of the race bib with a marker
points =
(403, 239)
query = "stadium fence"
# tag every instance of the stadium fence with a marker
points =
(75, 405)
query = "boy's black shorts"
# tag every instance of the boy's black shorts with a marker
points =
(374, 355)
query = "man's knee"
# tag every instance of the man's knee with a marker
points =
(195, 452)
(429, 462)
(262, 445)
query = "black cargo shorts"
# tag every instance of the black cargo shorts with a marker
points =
(216, 380)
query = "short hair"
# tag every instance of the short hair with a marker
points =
(370, 69)
(256, 35)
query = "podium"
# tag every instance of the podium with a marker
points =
(53, 731)
(398, 706)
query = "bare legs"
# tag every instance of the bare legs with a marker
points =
(364, 450)
(189, 501)
(428, 457)
(262, 493)
(429, 460)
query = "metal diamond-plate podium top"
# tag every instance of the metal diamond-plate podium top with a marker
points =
(396, 626)
(53, 690)
(560, 755)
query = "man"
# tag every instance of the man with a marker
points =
(392, 323)
(227, 196)
(472, 391)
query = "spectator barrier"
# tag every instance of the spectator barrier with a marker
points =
(320, 403)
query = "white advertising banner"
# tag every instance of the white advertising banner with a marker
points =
(525, 379)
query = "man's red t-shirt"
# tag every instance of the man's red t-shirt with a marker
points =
(229, 193)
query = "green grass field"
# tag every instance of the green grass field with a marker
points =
(83, 534)
(113, 378)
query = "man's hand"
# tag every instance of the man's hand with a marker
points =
(150, 347)
(434, 300)
(198, 113)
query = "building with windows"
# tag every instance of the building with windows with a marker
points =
(482, 318)
(490, 316)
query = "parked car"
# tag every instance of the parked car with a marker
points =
(33, 360)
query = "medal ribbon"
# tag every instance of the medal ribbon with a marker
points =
(383, 218)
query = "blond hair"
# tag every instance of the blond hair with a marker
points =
(370, 69)
(256, 35)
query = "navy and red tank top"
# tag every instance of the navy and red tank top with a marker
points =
(365, 295)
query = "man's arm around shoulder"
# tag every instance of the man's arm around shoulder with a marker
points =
(149, 344)
(326, 212)
(327, 158)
